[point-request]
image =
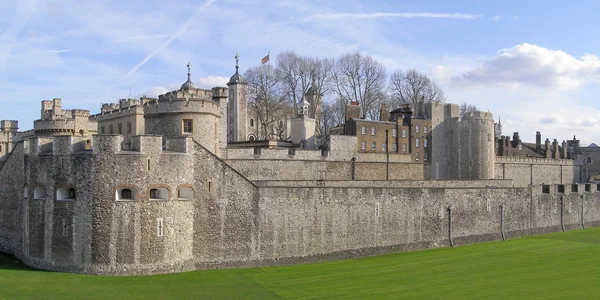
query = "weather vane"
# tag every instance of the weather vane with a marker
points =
(237, 59)
(188, 67)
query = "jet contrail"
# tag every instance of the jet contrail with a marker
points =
(178, 33)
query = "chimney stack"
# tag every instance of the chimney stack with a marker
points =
(538, 143)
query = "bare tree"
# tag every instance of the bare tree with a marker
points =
(413, 87)
(465, 109)
(360, 78)
(294, 73)
(332, 115)
(267, 98)
(320, 74)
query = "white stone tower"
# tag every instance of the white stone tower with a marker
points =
(303, 128)
(237, 112)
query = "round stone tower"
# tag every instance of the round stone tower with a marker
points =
(189, 111)
(476, 154)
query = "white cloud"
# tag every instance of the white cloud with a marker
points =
(554, 119)
(338, 16)
(536, 66)
(212, 81)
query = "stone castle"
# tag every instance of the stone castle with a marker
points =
(185, 182)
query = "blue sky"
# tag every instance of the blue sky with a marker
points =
(534, 64)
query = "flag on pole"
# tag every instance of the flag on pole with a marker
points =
(265, 59)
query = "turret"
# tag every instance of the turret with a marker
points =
(237, 113)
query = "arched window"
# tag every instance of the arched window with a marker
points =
(251, 122)
(185, 193)
(126, 194)
(158, 193)
(39, 193)
(251, 137)
(65, 193)
(25, 192)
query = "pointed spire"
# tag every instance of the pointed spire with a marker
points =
(237, 61)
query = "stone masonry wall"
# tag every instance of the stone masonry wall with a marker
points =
(525, 171)
(306, 224)
(11, 201)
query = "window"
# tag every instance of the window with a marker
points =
(394, 132)
(363, 130)
(417, 155)
(383, 147)
(25, 192)
(251, 122)
(372, 130)
(403, 147)
(417, 129)
(417, 143)
(424, 143)
(588, 160)
(425, 156)
(0, 148)
(561, 188)
(39, 193)
(363, 145)
(424, 129)
(102, 131)
(159, 193)
(546, 189)
(185, 193)
(403, 133)
(128, 126)
(65, 228)
(574, 188)
(110, 129)
(120, 128)
(159, 226)
(65, 193)
(188, 126)
(373, 146)
(126, 194)
(251, 138)
(395, 147)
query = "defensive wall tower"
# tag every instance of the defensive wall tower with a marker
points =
(57, 121)
(475, 142)
(189, 111)
(461, 149)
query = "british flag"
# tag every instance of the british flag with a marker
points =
(265, 59)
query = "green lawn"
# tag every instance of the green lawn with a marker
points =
(553, 266)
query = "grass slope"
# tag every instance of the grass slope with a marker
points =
(553, 266)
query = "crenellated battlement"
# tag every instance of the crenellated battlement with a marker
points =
(206, 106)
(478, 115)
(65, 145)
(195, 94)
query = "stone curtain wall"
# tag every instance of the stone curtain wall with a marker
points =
(11, 199)
(525, 171)
(312, 223)
(285, 169)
